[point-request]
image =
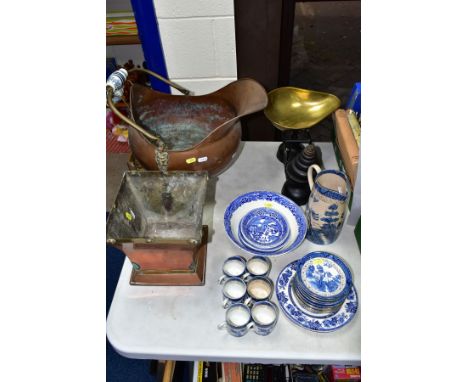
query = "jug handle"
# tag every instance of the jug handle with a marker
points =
(315, 167)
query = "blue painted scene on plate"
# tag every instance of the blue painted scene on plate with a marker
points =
(322, 279)
(264, 226)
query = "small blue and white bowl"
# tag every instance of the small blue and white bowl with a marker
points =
(264, 229)
(291, 212)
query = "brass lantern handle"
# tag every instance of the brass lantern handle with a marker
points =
(110, 94)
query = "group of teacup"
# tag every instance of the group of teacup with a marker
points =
(247, 291)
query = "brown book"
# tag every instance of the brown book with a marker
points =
(347, 144)
(232, 372)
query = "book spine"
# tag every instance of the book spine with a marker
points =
(232, 372)
(199, 373)
(346, 143)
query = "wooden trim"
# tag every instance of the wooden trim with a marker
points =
(122, 40)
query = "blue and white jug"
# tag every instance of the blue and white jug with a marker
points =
(327, 205)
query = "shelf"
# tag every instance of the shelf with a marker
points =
(122, 40)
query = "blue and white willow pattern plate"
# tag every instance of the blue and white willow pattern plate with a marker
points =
(290, 211)
(246, 244)
(264, 228)
(324, 275)
(301, 316)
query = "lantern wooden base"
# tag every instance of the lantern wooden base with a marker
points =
(194, 275)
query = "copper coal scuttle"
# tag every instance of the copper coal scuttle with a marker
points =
(179, 140)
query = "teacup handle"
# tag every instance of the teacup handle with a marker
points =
(248, 300)
(225, 303)
(222, 325)
(310, 179)
(221, 279)
(245, 275)
(250, 325)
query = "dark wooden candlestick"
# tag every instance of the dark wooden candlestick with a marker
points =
(296, 186)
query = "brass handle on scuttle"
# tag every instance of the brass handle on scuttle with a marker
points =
(115, 85)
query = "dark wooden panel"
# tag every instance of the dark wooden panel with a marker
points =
(258, 31)
(264, 36)
(286, 40)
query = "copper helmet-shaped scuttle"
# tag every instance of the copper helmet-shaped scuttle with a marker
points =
(186, 132)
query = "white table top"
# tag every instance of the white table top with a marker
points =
(180, 322)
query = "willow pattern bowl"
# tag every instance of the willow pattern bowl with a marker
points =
(264, 229)
(290, 211)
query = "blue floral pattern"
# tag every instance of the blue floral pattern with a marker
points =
(304, 318)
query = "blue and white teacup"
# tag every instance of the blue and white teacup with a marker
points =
(238, 320)
(259, 288)
(258, 266)
(234, 291)
(264, 317)
(234, 266)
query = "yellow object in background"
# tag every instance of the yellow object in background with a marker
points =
(121, 132)
(355, 126)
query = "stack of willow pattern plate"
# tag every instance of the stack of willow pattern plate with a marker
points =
(322, 283)
(317, 293)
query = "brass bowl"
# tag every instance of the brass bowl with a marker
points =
(295, 108)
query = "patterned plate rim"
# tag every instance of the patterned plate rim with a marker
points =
(286, 290)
